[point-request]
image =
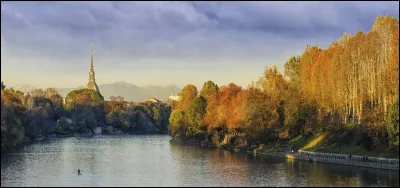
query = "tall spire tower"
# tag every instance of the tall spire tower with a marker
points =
(92, 82)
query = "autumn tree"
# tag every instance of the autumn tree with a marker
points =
(188, 94)
(211, 117)
(260, 116)
(225, 110)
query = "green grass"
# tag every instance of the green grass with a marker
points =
(314, 143)
(265, 148)
(359, 150)
(329, 143)
(320, 143)
(300, 141)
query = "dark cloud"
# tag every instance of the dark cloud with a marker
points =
(179, 29)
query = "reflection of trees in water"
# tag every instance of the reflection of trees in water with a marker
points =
(268, 171)
(322, 174)
(183, 155)
(15, 161)
(223, 168)
(229, 167)
(218, 166)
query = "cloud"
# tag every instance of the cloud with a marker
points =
(184, 33)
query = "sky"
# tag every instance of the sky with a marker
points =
(47, 44)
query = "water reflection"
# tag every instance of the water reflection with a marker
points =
(154, 161)
(224, 168)
(323, 174)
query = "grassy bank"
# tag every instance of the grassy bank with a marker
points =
(331, 144)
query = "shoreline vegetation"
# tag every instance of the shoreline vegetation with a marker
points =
(343, 99)
(333, 158)
(40, 114)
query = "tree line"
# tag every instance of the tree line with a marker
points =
(39, 113)
(352, 86)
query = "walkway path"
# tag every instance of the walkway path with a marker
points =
(344, 159)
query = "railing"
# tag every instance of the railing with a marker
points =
(351, 159)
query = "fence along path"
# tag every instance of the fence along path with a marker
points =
(356, 160)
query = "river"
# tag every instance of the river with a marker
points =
(153, 161)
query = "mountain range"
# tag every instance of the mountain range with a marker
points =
(130, 92)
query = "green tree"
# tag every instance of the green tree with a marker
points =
(393, 124)
(12, 118)
(197, 112)
(79, 103)
(292, 70)
(209, 88)
(40, 117)
(177, 123)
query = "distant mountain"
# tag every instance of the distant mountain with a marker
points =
(22, 88)
(131, 92)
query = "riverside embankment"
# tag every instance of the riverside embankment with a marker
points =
(341, 159)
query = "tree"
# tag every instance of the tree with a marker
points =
(12, 118)
(177, 123)
(392, 76)
(208, 89)
(78, 102)
(225, 110)
(292, 70)
(393, 124)
(211, 117)
(57, 101)
(50, 92)
(210, 92)
(82, 97)
(188, 94)
(120, 99)
(38, 93)
(259, 113)
(275, 85)
(197, 112)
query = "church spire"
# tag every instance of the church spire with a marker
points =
(91, 58)
(91, 70)
(92, 83)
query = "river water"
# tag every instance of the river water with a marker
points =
(154, 161)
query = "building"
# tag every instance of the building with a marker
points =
(154, 100)
(174, 97)
(92, 81)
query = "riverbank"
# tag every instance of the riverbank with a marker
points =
(332, 143)
(371, 162)
(283, 152)
(341, 159)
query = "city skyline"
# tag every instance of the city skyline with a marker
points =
(168, 43)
